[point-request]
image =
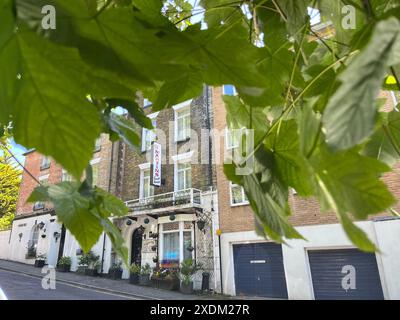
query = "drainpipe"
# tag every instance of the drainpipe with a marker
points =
(208, 105)
(108, 189)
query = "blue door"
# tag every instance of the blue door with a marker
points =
(345, 274)
(259, 270)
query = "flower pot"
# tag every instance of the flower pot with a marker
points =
(91, 272)
(81, 269)
(115, 274)
(167, 283)
(39, 263)
(134, 278)
(63, 268)
(186, 288)
(144, 280)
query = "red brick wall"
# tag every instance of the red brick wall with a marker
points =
(32, 164)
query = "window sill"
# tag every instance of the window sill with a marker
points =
(182, 140)
(44, 167)
(246, 203)
(97, 150)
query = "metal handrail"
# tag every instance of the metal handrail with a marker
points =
(185, 196)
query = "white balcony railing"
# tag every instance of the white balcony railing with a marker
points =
(186, 198)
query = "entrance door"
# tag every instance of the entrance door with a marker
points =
(136, 248)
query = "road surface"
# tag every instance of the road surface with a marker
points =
(17, 286)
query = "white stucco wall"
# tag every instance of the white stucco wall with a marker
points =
(4, 244)
(71, 246)
(385, 234)
(46, 245)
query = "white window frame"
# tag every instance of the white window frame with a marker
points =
(152, 132)
(234, 90)
(45, 163)
(181, 230)
(65, 176)
(244, 202)
(144, 167)
(180, 108)
(179, 159)
(395, 102)
(228, 138)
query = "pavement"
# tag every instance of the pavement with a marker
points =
(21, 281)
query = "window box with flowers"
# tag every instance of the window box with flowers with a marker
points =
(166, 279)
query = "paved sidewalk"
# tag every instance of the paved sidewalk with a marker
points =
(122, 287)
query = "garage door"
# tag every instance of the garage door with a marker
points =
(344, 274)
(259, 270)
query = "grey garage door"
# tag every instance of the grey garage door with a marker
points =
(259, 270)
(344, 274)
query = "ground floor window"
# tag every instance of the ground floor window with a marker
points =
(176, 239)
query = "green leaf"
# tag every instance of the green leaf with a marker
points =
(285, 158)
(309, 130)
(295, 13)
(50, 100)
(384, 144)
(356, 235)
(133, 109)
(72, 210)
(9, 61)
(111, 204)
(350, 115)
(349, 182)
(240, 115)
(272, 216)
(125, 129)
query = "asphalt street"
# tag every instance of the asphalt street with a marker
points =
(18, 286)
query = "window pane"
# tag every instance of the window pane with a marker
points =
(171, 247)
(187, 242)
(229, 90)
(237, 195)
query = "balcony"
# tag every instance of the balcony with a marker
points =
(182, 200)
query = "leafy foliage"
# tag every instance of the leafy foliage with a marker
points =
(309, 94)
(9, 186)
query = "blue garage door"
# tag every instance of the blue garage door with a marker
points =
(344, 274)
(259, 270)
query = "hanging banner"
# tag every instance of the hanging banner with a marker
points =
(156, 164)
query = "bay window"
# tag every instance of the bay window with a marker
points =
(176, 238)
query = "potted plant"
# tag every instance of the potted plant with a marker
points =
(83, 263)
(93, 264)
(40, 261)
(134, 273)
(144, 277)
(64, 264)
(187, 270)
(115, 271)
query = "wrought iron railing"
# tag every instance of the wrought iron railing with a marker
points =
(188, 197)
